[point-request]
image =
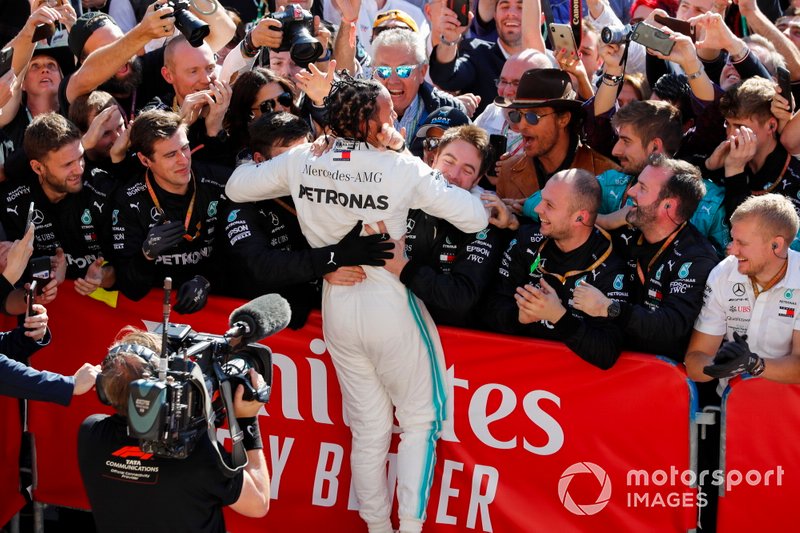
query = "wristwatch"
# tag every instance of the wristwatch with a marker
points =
(614, 309)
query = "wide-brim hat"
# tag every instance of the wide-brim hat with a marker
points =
(542, 87)
(445, 117)
(58, 50)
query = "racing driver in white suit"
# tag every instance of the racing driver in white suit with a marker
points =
(382, 341)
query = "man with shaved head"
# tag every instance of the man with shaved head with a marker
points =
(546, 263)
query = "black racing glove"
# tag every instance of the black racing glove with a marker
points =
(192, 295)
(733, 358)
(161, 238)
(355, 250)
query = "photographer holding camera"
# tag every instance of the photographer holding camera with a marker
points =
(109, 58)
(180, 494)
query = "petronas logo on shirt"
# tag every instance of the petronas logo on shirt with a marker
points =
(684, 270)
(86, 217)
(618, 281)
(115, 217)
(659, 271)
(212, 208)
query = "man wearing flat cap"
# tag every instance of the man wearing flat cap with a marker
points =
(547, 115)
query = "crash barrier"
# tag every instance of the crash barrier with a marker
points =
(759, 482)
(540, 440)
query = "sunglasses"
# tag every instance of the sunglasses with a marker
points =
(431, 143)
(515, 117)
(402, 71)
(268, 106)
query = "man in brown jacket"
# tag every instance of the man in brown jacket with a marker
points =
(547, 115)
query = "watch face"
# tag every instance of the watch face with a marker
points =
(614, 309)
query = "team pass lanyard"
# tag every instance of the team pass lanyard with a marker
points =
(777, 181)
(563, 278)
(188, 211)
(658, 254)
(771, 283)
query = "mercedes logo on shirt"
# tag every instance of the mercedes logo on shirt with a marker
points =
(738, 289)
(38, 217)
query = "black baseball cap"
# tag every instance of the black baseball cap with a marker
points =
(84, 27)
(445, 117)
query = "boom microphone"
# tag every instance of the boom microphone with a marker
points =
(259, 318)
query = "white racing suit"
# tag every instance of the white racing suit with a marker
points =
(382, 341)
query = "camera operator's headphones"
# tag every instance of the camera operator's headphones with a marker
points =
(146, 354)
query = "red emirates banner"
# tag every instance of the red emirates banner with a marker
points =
(759, 483)
(539, 440)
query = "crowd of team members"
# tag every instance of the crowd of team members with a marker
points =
(610, 210)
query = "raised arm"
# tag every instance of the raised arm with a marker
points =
(104, 62)
(759, 23)
(221, 27)
(531, 25)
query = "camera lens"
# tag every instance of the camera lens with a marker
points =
(306, 51)
(194, 29)
(612, 35)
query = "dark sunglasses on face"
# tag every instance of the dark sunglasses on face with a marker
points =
(431, 143)
(402, 71)
(515, 116)
(268, 106)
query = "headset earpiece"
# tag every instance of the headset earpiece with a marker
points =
(146, 354)
(774, 245)
(579, 219)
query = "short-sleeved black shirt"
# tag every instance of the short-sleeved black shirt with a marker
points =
(131, 491)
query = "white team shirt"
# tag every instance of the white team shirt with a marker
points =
(769, 321)
(353, 182)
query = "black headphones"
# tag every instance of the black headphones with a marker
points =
(146, 354)
(774, 245)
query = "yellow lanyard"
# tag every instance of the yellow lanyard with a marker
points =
(777, 181)
(771, 283)
(660, 251)
(563, 278)
(188, 212)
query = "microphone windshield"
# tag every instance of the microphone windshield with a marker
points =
(264, 316)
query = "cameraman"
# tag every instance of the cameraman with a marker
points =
(175, 494)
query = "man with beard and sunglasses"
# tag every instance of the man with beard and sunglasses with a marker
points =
(163, 222)
(109, 59)
(671, 258)
(548, 117)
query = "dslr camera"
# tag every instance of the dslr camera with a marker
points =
(194, 29)
(297, 26)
